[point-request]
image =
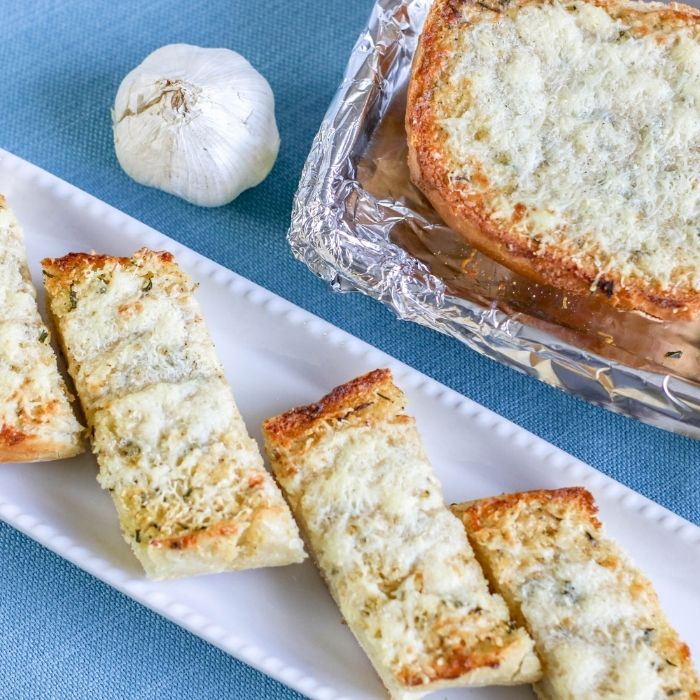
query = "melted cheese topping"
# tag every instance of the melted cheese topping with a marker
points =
(33, 401)
(31, 392)
(396, 559)
(594, 129)
(178, 459)
(594, 618)
(143, 330)
(12, 237)
(161, 354)
(120, 302)
(17, 295)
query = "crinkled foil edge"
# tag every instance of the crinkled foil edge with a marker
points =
(324, 235)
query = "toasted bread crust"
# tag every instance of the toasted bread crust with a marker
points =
(478, 514)
(76, 262)
(465, 210)
(367, 399)
(372, 396)
(17, 446)
(532, 524)
(72, 266)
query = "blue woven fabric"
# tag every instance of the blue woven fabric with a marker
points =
(62, 633)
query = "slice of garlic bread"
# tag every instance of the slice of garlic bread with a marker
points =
(562, 138)
(187, 480)
(395, 559)
(595, 618)
(36, 419)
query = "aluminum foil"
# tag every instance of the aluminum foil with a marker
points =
(360, 224)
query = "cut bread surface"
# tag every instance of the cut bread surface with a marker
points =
(36, 419)
(595, 618)
(395, 559)
(187, 480)
(563, 139)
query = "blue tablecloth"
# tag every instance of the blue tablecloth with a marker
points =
(62, 633)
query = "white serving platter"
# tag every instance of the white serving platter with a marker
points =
(282, 621)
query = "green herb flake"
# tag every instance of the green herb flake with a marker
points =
(148, 284)
(137, 535)
(674, 354)
(43, 336)
(47, 274)
(72, 299)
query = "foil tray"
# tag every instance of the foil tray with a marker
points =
(360, 224)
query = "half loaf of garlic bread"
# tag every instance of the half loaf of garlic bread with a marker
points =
(562, 138)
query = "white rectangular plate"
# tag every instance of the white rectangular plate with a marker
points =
(282, 621)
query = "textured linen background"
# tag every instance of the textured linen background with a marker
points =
(64, 634)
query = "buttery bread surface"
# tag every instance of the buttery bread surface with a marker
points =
(561, 138)
(187, 480)
(36, 419)
(595, 618)
(395, 559)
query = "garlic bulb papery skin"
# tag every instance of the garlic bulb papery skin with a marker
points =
(195, 122)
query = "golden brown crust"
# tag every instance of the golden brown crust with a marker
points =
(28, 441)
(193, 540)
(455, 664)
(16, 446)
(10, 436)
(71, 266)
(373, 394)
(465, 210)
(478, 514)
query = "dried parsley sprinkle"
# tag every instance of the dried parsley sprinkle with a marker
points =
(43, 336)
(72, 299)
(148, 284)
(674, 354)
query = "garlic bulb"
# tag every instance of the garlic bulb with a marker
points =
(198, 123)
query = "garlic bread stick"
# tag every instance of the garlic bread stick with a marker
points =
(187, 480)
(395, 559)
(594, 617)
